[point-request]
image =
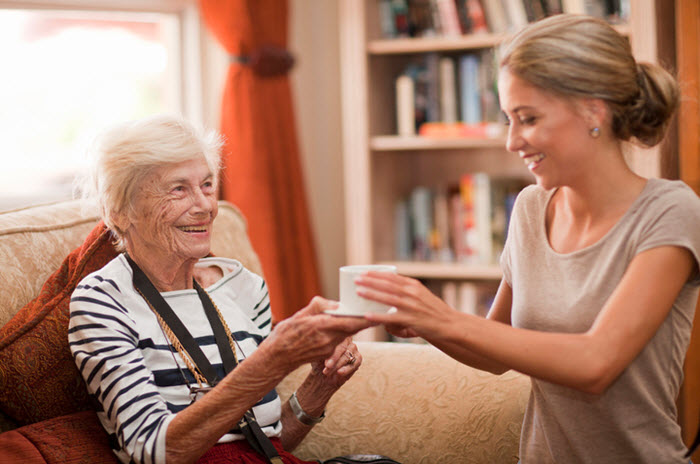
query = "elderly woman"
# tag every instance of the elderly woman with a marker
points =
(162, 324)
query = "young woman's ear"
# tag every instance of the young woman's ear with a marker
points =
(594, 112)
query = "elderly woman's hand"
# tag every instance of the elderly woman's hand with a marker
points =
(310, 336)
(337, 369)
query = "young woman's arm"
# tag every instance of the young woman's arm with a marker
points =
(589, 361)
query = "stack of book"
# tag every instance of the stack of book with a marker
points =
(465, 223)
(425, 18)
(448, 96)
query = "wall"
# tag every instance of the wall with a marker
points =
(316, 94)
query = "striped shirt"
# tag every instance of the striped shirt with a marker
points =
(127, 362)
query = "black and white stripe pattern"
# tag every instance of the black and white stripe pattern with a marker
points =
(127, 361)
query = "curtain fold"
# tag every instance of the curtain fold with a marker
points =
(262, 171)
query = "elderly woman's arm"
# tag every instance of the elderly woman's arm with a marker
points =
(306, 337)
(108, 353)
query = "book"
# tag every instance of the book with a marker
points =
(468, 298)
(432, 80)
(552, 7)
(420, 19)
(418, 75)
(573, 6)
(440, 243)
(464, 226)
(386, 19)
(420, 205)
(449, 18)
(477, 18)
(490, 106)
(481, 185)
(517, 16)
(405, 106)
(402, 231)
(479, 130)
(448, 97)
(496, 17)
(449, 293)
(470, 100)
(399, 10)
(534, 10)
(465, 22)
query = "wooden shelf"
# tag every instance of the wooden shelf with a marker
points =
(446, 44)
(395, 142)
(433, 44)
(457, 271)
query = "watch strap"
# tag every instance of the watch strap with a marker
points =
(302, 415)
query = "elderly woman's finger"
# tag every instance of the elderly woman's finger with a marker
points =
(336, 358)
(352, 362)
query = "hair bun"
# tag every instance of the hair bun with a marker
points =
(649, 113)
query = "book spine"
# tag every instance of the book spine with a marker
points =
(421, 214)
(405, 106)
(402, 231)
(448, 98)
(449, 18)
(441, 221)
(477, 17)
(386, 19)
(573, 6)
(468, 297)
(449, 293)
(469, 89)
(432, 79)
(466, 226)
(400, 14)
(496, 17)
(482, 217)
(516, 14)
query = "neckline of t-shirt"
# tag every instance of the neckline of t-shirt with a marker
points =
(633, 207)
(210, 260)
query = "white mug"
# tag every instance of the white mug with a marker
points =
(351, 304)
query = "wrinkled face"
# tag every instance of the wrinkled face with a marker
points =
(175, 207)
(548, 132)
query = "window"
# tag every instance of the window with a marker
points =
(70, 72)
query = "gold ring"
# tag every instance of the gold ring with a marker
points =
(351, 357)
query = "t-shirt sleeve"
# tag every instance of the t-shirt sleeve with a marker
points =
(516, 218)
(674, 219)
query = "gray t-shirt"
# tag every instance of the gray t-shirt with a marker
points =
(634, 421)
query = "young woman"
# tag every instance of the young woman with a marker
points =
(600, 268)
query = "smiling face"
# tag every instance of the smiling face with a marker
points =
(548, 132)
(174, 211)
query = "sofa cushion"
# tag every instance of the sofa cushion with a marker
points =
(73, 439)
(38, 377)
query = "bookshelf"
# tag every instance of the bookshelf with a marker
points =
(381, 167)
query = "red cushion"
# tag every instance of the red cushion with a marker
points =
(71, 439)
(38, 377)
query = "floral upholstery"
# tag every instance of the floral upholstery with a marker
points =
(417, 405)
(410, 402)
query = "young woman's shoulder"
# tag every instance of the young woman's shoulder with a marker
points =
(672, 195)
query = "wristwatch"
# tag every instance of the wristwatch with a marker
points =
(301, 415)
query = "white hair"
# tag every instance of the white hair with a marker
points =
(125, 154)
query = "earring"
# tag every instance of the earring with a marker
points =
(595, 132)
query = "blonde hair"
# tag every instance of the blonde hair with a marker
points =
(126, 154)
(581, 56)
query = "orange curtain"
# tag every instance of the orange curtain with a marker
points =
(262, 172)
